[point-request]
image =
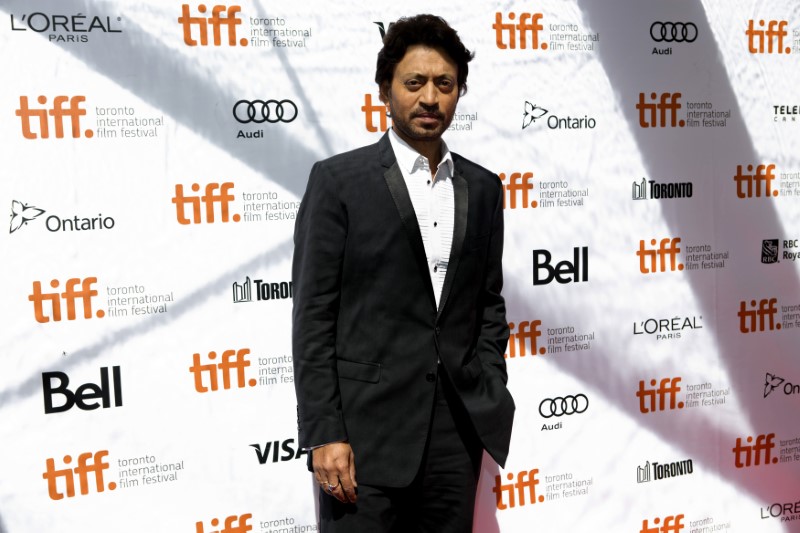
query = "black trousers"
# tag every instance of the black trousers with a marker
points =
(441, 499)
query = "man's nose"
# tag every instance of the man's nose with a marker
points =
(430, 95)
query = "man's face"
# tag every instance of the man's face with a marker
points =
(423, 94)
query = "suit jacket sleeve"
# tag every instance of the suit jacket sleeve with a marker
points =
(319, 238)
(493, 335)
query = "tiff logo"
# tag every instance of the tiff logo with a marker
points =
(224, 369)
(776, 31)
(654, 114)
(667, 388)
(88, 391)
(525, 480)
(745, 455)
(232, 524)
(221, 16)
(513, 189)
(528, 22)
(287, 446)
(223, 198)
(744, 182)
(87, 463)
(565, 271)
(668, 248)
(371, 110)
(671, 524)
(85, 294)
(765, 310)
(58, 112)
(526, 335)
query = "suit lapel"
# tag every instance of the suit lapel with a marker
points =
(460, 201)
(397, 188)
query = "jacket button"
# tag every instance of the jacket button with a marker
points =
(430, 377)
(436, 330)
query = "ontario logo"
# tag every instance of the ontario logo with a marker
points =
(22, 213)
(532, 112)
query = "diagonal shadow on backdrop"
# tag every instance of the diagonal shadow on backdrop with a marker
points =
(668, 154)
(222, 283)
(170, 82)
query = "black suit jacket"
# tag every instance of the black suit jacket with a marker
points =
(367, 334)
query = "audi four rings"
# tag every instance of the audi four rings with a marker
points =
(271, 111)
(568, 405)
(673, 32)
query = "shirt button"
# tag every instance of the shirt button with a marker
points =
(430, 377)
(436, 330)
(429, 182)
(435, 224)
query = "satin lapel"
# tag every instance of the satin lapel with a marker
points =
(397, 188)
(460, 201)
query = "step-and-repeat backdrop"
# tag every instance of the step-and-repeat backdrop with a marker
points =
(153, 158)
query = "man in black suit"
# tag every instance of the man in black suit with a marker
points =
(399, 327)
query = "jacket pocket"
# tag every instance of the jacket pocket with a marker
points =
(359, 370)
(473, 369)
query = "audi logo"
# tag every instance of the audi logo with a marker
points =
(569, 405)
(673, 32)
(260, 111)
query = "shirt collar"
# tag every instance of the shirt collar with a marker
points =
(407, 157)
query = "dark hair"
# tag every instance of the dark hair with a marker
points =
(427, 30)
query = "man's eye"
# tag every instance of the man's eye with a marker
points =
(413, 83)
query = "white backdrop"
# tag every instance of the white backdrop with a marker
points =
(663, 393)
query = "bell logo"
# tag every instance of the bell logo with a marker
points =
(764, 310)
(528, 22)
(370, 111)
(223, 198)
(518, 340)
(88, 391)
(744, 182)
(564, 272)
(655, 260)
(232, 524)
(58, 112)
(85, 294)
(525, 480)
(224, 369)
(760, 453)
(654, 114)
(87, 463)
(667, 388)
(220, 16)
(671, 524)
(511, 190)
(773, 35)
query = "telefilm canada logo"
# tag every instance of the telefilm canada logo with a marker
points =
(533, 114)
(22, 214)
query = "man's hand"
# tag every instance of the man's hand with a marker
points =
(334, 464)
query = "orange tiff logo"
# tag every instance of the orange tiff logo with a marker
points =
(221, 16)
(526, 482)
(88, 463)
(215, 193)
(528, 23)
(668, 388)
(70, 295)
(518, 186)
(670, 524)
(764, 311)
(661, 111)
(233, 524)
(58, 112)
(655, 259)
(370, 111)
(233, 363)
(526, 335)
(760, 453)
(745, 182)
(774, 34)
